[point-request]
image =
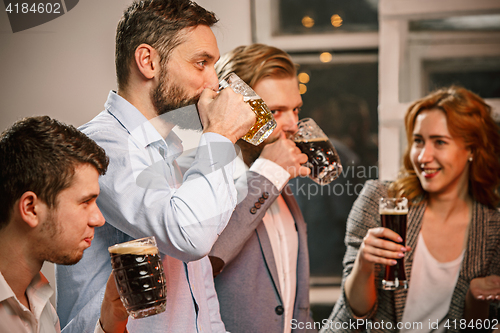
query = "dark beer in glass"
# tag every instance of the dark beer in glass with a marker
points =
(393, 215)
(139, 277)
(322, 158)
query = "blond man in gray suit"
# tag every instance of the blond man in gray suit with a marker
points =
(261, 261)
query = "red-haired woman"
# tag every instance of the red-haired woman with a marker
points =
(450, 176)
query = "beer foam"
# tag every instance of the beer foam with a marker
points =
(251, 98)
(393, 211)
(304, 140)
(133, 249)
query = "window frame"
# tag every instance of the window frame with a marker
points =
(402, 54)
(265, 27)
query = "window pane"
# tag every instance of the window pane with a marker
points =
(461, 23)
(342, 99)
(480, 75)
(326, 16)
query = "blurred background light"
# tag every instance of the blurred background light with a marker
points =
(307, 21)
(302, 88)
(336, 20)
(303, 77)
(325, 57)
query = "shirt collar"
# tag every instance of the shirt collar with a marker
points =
(39, 293)
(39, 286)
(139, 126)
(132, 119)
(5, 290)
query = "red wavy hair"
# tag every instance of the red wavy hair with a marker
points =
(469, 118)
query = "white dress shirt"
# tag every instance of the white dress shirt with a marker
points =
(42, 318)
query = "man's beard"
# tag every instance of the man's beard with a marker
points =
(52, 232)
(167, 98)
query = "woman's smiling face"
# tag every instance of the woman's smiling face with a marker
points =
(440, 160)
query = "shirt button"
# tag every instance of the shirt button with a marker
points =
(262, 200)
(265, 195)
(279, 310)
(253, 210)
(257, 205)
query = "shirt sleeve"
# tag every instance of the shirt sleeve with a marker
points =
(143, 192)
(272, 171)
(260, 193)
(257, 189)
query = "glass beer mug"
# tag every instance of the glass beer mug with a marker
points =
(139, 277)
(265, 123)
(322, 158)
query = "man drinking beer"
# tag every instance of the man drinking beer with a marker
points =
(165, 57)
(261, 260)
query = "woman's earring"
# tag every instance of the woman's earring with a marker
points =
(470, 158)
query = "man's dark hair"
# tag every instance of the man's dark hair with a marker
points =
(157, 23)
(40, 154)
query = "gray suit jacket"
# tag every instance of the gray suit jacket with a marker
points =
(246, 275)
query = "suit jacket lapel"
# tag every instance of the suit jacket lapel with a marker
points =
(265, 243)
(267, 251)
(302, 289)
(300, 226)
(475, 251)
(474, 261)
